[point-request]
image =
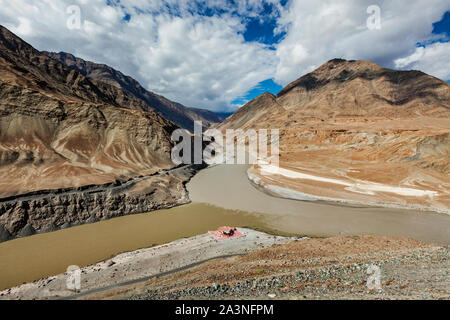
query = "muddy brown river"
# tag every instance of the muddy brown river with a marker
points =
(42, 255)
(221, 195)
(227, 186)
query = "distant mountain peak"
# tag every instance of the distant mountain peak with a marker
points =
(339, 71)
(348, 88)
(119, 89)
(111, 81)
(59, 128)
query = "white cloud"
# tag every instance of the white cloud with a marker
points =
(204, 61)
(197, 60)
(434, 59)
(318, 31)
(173, 49)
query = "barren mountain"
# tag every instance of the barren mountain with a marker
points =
(128, 93)
(60, 131)
(352, 130)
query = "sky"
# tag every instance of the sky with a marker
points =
(219, 54)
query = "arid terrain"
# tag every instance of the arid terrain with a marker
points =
(354, 131)
(59, 130)
(127, 92)
(263, 267)
(145, 263)
(72, 149)
(333, 268)
(80, 142)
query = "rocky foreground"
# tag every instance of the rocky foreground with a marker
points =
(333, 268)
(136, 266)
(260, 266)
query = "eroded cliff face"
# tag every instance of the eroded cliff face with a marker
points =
(56, 144)
(50, 210)
(358, 123)
(59, 130)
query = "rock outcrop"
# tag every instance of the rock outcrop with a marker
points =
(342, 89)
(50, 210)
(57, 128)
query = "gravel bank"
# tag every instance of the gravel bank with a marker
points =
(333, 268)
(145, 263)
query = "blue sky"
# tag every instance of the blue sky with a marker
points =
(219, 54)
(442, 27)
(264, 86)
(262, 28)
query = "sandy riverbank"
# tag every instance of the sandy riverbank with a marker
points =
(332, 268)
(145, 263)
(228, 186)
(297, 185)
(42, 255)
(273, 187)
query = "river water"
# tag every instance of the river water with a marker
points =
(227, 186)
(221, 195)
(42, 255)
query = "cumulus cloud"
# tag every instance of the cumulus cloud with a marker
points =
(194, 52)
(318, 31)
(172, 47)
(205, 60)
(433, 59)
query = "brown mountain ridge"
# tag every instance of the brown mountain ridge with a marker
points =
(378, 135)
(72, 151)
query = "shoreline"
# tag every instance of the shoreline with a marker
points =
(46, 211)
(88, 244)
(319, 218)
(342, 220)
(138, 265)
(287, 193)
(311, 269)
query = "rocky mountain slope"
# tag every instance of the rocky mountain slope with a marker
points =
(127, 92)
(311, 269)
(352, 130)
(347, 89)
(60, 131)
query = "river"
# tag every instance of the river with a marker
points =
(227, 186)
(221, 195)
